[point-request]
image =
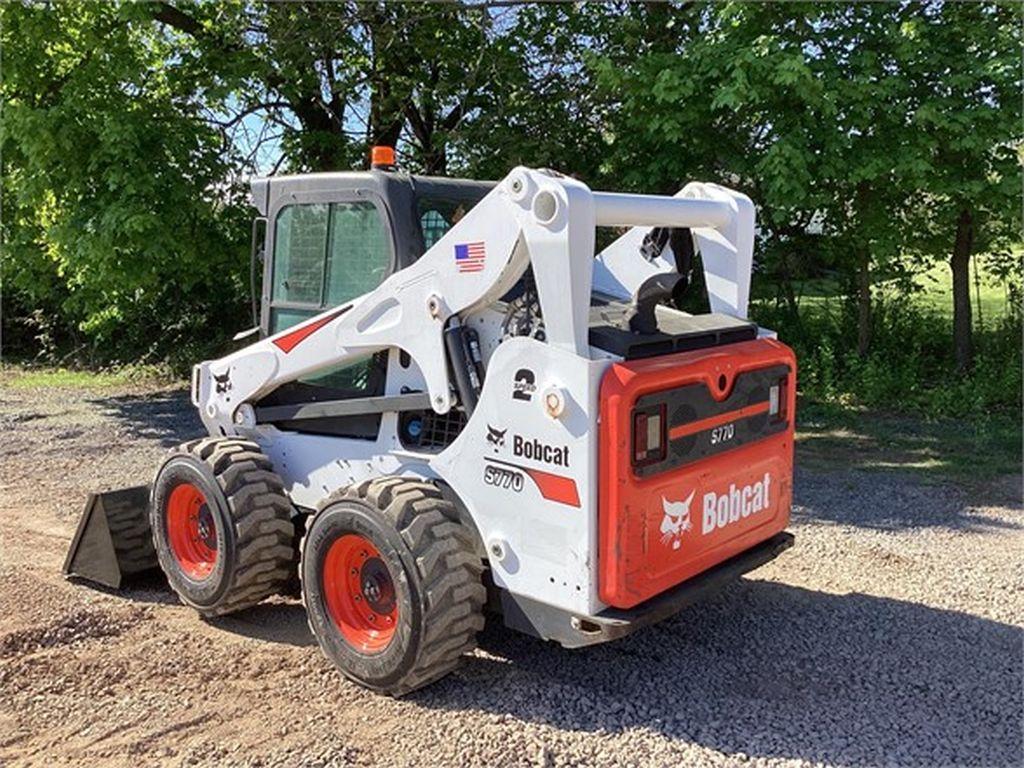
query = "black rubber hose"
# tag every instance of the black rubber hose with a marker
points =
(461, 365)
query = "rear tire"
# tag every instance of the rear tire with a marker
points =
(133, 541)
(222, 525)
(392, 584)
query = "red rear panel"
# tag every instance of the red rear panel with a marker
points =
(716, 482)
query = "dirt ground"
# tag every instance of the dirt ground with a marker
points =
(891, 634)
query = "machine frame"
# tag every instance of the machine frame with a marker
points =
(524, 470)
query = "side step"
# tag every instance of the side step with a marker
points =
(113, 540)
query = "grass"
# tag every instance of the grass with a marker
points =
(936, 293)
(121, 377)
(832, 437)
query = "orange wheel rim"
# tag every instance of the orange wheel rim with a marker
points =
(192, 531)
(360, 593)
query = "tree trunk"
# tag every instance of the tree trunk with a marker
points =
(863, 302)
(385, 125)
(321, 145)
(386, 120)
(789, 294)
(435, 161)
(960, 263)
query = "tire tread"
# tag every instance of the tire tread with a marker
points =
(261, 518)
(450, 573)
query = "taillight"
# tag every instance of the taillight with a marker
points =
(778, 399)
(649, 435)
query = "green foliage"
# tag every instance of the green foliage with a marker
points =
(966, 115)
(878, 123)
(909, 366)
(540, 110)
(864, 132)
(123, 233)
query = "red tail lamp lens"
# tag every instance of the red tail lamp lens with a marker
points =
(778, 397)
(649, 435)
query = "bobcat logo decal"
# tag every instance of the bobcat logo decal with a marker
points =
(676, 521)
(223, 381)
(496, 437)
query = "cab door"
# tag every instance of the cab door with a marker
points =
(324, 253)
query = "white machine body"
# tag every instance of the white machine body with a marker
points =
(525, 464)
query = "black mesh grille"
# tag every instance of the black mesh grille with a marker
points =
(441, 429)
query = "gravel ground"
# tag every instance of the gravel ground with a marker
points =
(890, 635)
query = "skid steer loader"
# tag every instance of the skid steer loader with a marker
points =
(455, 405)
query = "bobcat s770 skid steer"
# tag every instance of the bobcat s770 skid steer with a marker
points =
(455, 406)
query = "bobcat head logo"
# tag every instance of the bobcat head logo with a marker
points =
(676, 521)
(496, 437)
(223, 381)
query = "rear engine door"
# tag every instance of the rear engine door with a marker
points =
(696, 463)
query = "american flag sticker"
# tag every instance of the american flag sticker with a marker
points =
(469, 257)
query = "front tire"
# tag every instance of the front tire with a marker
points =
(392, 584)
(222, 525)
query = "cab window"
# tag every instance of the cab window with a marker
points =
(438, 215)
(300, 241)
(358, 252)
(326, 254)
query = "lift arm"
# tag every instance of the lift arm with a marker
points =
(530, 217)
(722, 225)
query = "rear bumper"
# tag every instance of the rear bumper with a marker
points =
(577, 631)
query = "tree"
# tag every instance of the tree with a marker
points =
(129, 129)
(337, 78)
(858, 116)
(966, 106)
(872, 136)
(124, 224)
(739, 98)
(543, 111)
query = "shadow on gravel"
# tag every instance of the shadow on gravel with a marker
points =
(770, 670)
(896, 501)
(275, 622)
(149, 587)
(279, 620)
(167, 417)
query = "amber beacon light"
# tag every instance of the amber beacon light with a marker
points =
(382, 158)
